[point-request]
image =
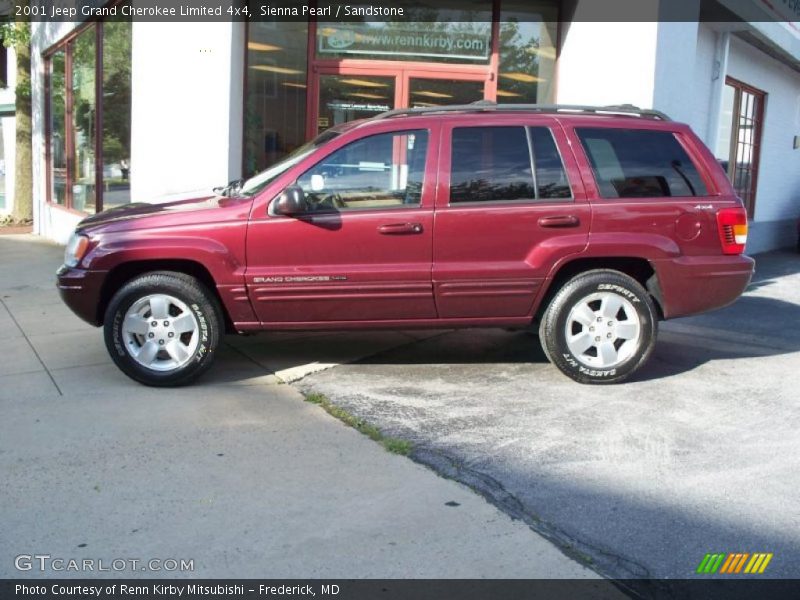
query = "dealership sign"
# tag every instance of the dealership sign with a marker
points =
(365, 39)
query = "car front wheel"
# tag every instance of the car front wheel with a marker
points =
(600, 327)
(163, 328)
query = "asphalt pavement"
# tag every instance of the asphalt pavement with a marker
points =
(237, 475)
(542, 477)
(697, 454)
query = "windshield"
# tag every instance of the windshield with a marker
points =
(258, 182)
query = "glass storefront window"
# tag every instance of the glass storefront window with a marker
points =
(437, 92)
(443, 31)
(117, 116)
(2, 166)
(80, 157)
(57, 126)
(344, 98)
(527, 52)
(440, 52)
(275, 92)
(83, 121)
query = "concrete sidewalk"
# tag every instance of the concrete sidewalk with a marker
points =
(237, 473)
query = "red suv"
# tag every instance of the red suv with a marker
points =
(591, 224)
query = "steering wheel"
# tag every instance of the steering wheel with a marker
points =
(330, 201)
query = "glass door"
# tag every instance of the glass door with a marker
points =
(345, 98)
(348, 93)
(439, 92)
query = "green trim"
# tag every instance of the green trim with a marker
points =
(8, 110)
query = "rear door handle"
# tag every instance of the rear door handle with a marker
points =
(400, 228)
(560, 221)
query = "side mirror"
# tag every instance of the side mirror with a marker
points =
(291, 201)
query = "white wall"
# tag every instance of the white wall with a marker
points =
(778, 193)
(703, 80)
(185, 118)
(674, 76)
(607, 63)
(186, 113)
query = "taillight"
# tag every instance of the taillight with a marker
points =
(732, 223)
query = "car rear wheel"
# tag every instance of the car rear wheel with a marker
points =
(600, 327)
(163, 328)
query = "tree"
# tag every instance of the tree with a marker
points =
(18, 36)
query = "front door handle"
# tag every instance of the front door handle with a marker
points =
(560, 221)
(400, 228)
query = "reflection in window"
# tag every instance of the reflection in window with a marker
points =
(527, 52)
(74, 142)
(425, 92)
(275, 92)
(449, 31)
(58, 133)
(117, 113)
(2, 165)
(343, 98)
(83, 121)
(490, 164)
(379, 171)
(551, 180)
(639, 163)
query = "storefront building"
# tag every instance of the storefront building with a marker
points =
(159, 111)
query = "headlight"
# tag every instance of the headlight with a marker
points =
(75, 250)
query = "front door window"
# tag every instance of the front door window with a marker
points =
(381, 171)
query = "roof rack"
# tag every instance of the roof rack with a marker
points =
(489, 106)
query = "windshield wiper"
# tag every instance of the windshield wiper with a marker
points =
(231, 189)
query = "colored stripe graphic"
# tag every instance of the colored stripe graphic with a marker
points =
(733, 563)
(758, 563)
(710, 563)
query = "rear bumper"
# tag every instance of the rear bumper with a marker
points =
(80, 291)
(694, 284)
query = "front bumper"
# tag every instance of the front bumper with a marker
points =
(81, 292)
(690, 285)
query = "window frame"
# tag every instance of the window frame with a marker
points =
(739, 87)
(66, 44)
(531, 157)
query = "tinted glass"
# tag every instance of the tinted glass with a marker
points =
(637, 163)
(551, 180)
(490, 164)
(275, 92)
(84, 192)
(379, 171)
(528, 32)
(58, 128)
(344, 98)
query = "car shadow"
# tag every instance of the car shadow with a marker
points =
(754, 326)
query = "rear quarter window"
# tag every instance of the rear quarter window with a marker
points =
(640, 163)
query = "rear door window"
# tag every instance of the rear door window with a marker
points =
(505, 164)
(640, 163)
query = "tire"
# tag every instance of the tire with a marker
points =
(600, 327)
(171, 349)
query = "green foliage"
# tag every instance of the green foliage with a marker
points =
(393, 445)
(15, 34)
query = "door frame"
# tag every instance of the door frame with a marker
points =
(401, 70)
(402, 74)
